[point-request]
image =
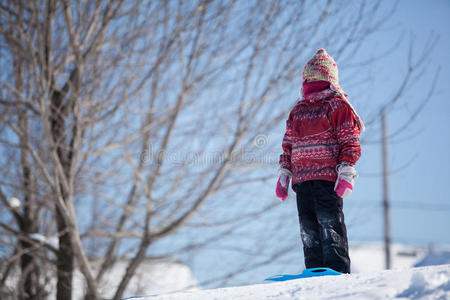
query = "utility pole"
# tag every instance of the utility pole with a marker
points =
(387, 222)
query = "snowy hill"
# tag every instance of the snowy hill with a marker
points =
(151, 277)
(434, 258)
(431, 282)
(369, 257)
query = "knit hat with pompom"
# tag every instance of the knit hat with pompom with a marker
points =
(323, 67)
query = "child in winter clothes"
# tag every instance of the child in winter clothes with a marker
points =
(320, 147)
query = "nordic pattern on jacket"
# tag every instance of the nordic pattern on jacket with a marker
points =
(320, 135)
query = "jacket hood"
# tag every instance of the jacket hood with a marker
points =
(322, 67)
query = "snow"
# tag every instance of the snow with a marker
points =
(52, 241)
(14, 202)
(151, 277)
(431, 282)
(171, 280)
(38, 237)
(369, 257)
(434, 258)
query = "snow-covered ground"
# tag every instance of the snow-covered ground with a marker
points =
(431, 282)
(151, 277)
(369, 257)
(367, 281)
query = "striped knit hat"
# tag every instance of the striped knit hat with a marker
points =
(323, 67)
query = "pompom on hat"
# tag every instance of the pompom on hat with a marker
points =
(322, 67)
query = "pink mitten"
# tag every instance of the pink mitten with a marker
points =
(282, 191)
(283, 184)
(345, 181)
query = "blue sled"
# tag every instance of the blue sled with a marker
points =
(313, 272)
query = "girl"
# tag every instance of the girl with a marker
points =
(320, 147)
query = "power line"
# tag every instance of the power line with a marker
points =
(418, 205)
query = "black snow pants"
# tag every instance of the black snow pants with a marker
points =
(322, 226)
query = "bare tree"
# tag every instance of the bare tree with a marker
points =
(122, 122)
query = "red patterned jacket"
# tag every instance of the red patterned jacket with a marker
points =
(321, 132)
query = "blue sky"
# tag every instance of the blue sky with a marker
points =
(419, 194)
(420, 202)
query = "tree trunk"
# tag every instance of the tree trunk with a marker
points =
(29, 281)
(65, 261)
(65, 257)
